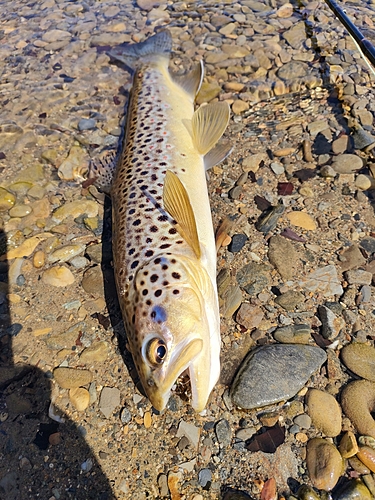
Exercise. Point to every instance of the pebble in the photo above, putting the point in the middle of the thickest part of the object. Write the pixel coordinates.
(360, 359)
(303, 421)
(365, 182)
(39, 259)
(71, 378)
(347, 163)
(65, 253)
(65, 339)
(293, 334)
(278, 248)
(58, 276)
(331, 324)
(358, 277)
(190, 431)
(237, 243)
(368, 244)
(27, 247)
(354, 490)
(269, 218)
(223, 432)
(348, 445)
(357, 401)
(240, 106)
(351, 258)
(253, 162)
(76, 208)
(340, 144)
(302, 219)
(290, 300)
(125, 416)
(204, 477)
(20, 210)
(306, 493)
(292, 365)
(277, 168)
(366, 455)
(253, 277)
(109, 400)
(86, 124)
(249, 316)
(7, 200)
(93, 282)
(323, 280)
(324, 464)
(80, 398)
(324, 411)
(97, 352)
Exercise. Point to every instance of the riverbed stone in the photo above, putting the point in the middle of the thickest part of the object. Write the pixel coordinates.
(324, 411)
(360, 359)
(274, 373)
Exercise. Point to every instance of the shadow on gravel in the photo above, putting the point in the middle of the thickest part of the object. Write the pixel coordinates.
(39, 457)
(111, 297)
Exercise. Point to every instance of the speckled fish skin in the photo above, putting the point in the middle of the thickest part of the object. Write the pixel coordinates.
(166, 287)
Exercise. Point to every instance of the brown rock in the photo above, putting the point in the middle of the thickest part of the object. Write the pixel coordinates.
(348, 445)
(279, 248)
(249, 316)
(366, 454)
(70, 378)
(324, 464)
(324, 411)
(358, 401)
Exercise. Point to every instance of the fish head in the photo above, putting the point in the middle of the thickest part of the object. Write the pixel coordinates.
(171, 331)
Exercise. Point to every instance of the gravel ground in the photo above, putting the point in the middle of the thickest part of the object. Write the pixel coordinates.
(296, 268)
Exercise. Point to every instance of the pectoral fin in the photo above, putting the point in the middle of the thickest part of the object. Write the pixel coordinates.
(208, 125)
(177, 204)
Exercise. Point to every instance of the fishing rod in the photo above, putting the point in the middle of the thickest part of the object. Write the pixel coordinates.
(364, 45)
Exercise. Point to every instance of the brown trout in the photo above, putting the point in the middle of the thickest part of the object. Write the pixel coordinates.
(163, 240)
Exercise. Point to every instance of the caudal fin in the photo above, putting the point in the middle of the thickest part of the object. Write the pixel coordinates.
(133, 54)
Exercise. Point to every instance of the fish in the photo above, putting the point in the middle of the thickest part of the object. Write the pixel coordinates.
(163, 239)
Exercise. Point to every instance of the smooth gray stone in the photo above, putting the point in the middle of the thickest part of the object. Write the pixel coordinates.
(274, 373)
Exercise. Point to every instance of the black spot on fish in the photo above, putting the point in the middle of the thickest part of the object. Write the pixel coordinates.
(165, 245)
(149, 253)
(153, 229)
(172, 231)
(158, 293)
(176, 276)
(176, 292)
(134, 264)
(137, 222)
(154, 278)
(144, 292)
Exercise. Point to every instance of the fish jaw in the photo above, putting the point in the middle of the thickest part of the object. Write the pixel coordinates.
(159, 384)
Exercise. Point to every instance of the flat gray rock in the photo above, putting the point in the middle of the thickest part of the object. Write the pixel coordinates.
(274, 373)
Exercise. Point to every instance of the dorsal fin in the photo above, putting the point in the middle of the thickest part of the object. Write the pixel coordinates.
(208, 125)
(177, 204)
(192, 81)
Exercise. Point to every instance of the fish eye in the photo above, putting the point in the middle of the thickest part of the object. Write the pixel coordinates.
(156, 351)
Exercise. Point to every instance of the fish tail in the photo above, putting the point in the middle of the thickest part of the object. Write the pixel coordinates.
(132, 54)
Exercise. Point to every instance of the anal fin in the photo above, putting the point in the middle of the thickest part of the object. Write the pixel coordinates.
(208, 125)
(177, 204)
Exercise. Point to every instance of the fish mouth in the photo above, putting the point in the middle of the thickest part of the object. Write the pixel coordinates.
(158, 388)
